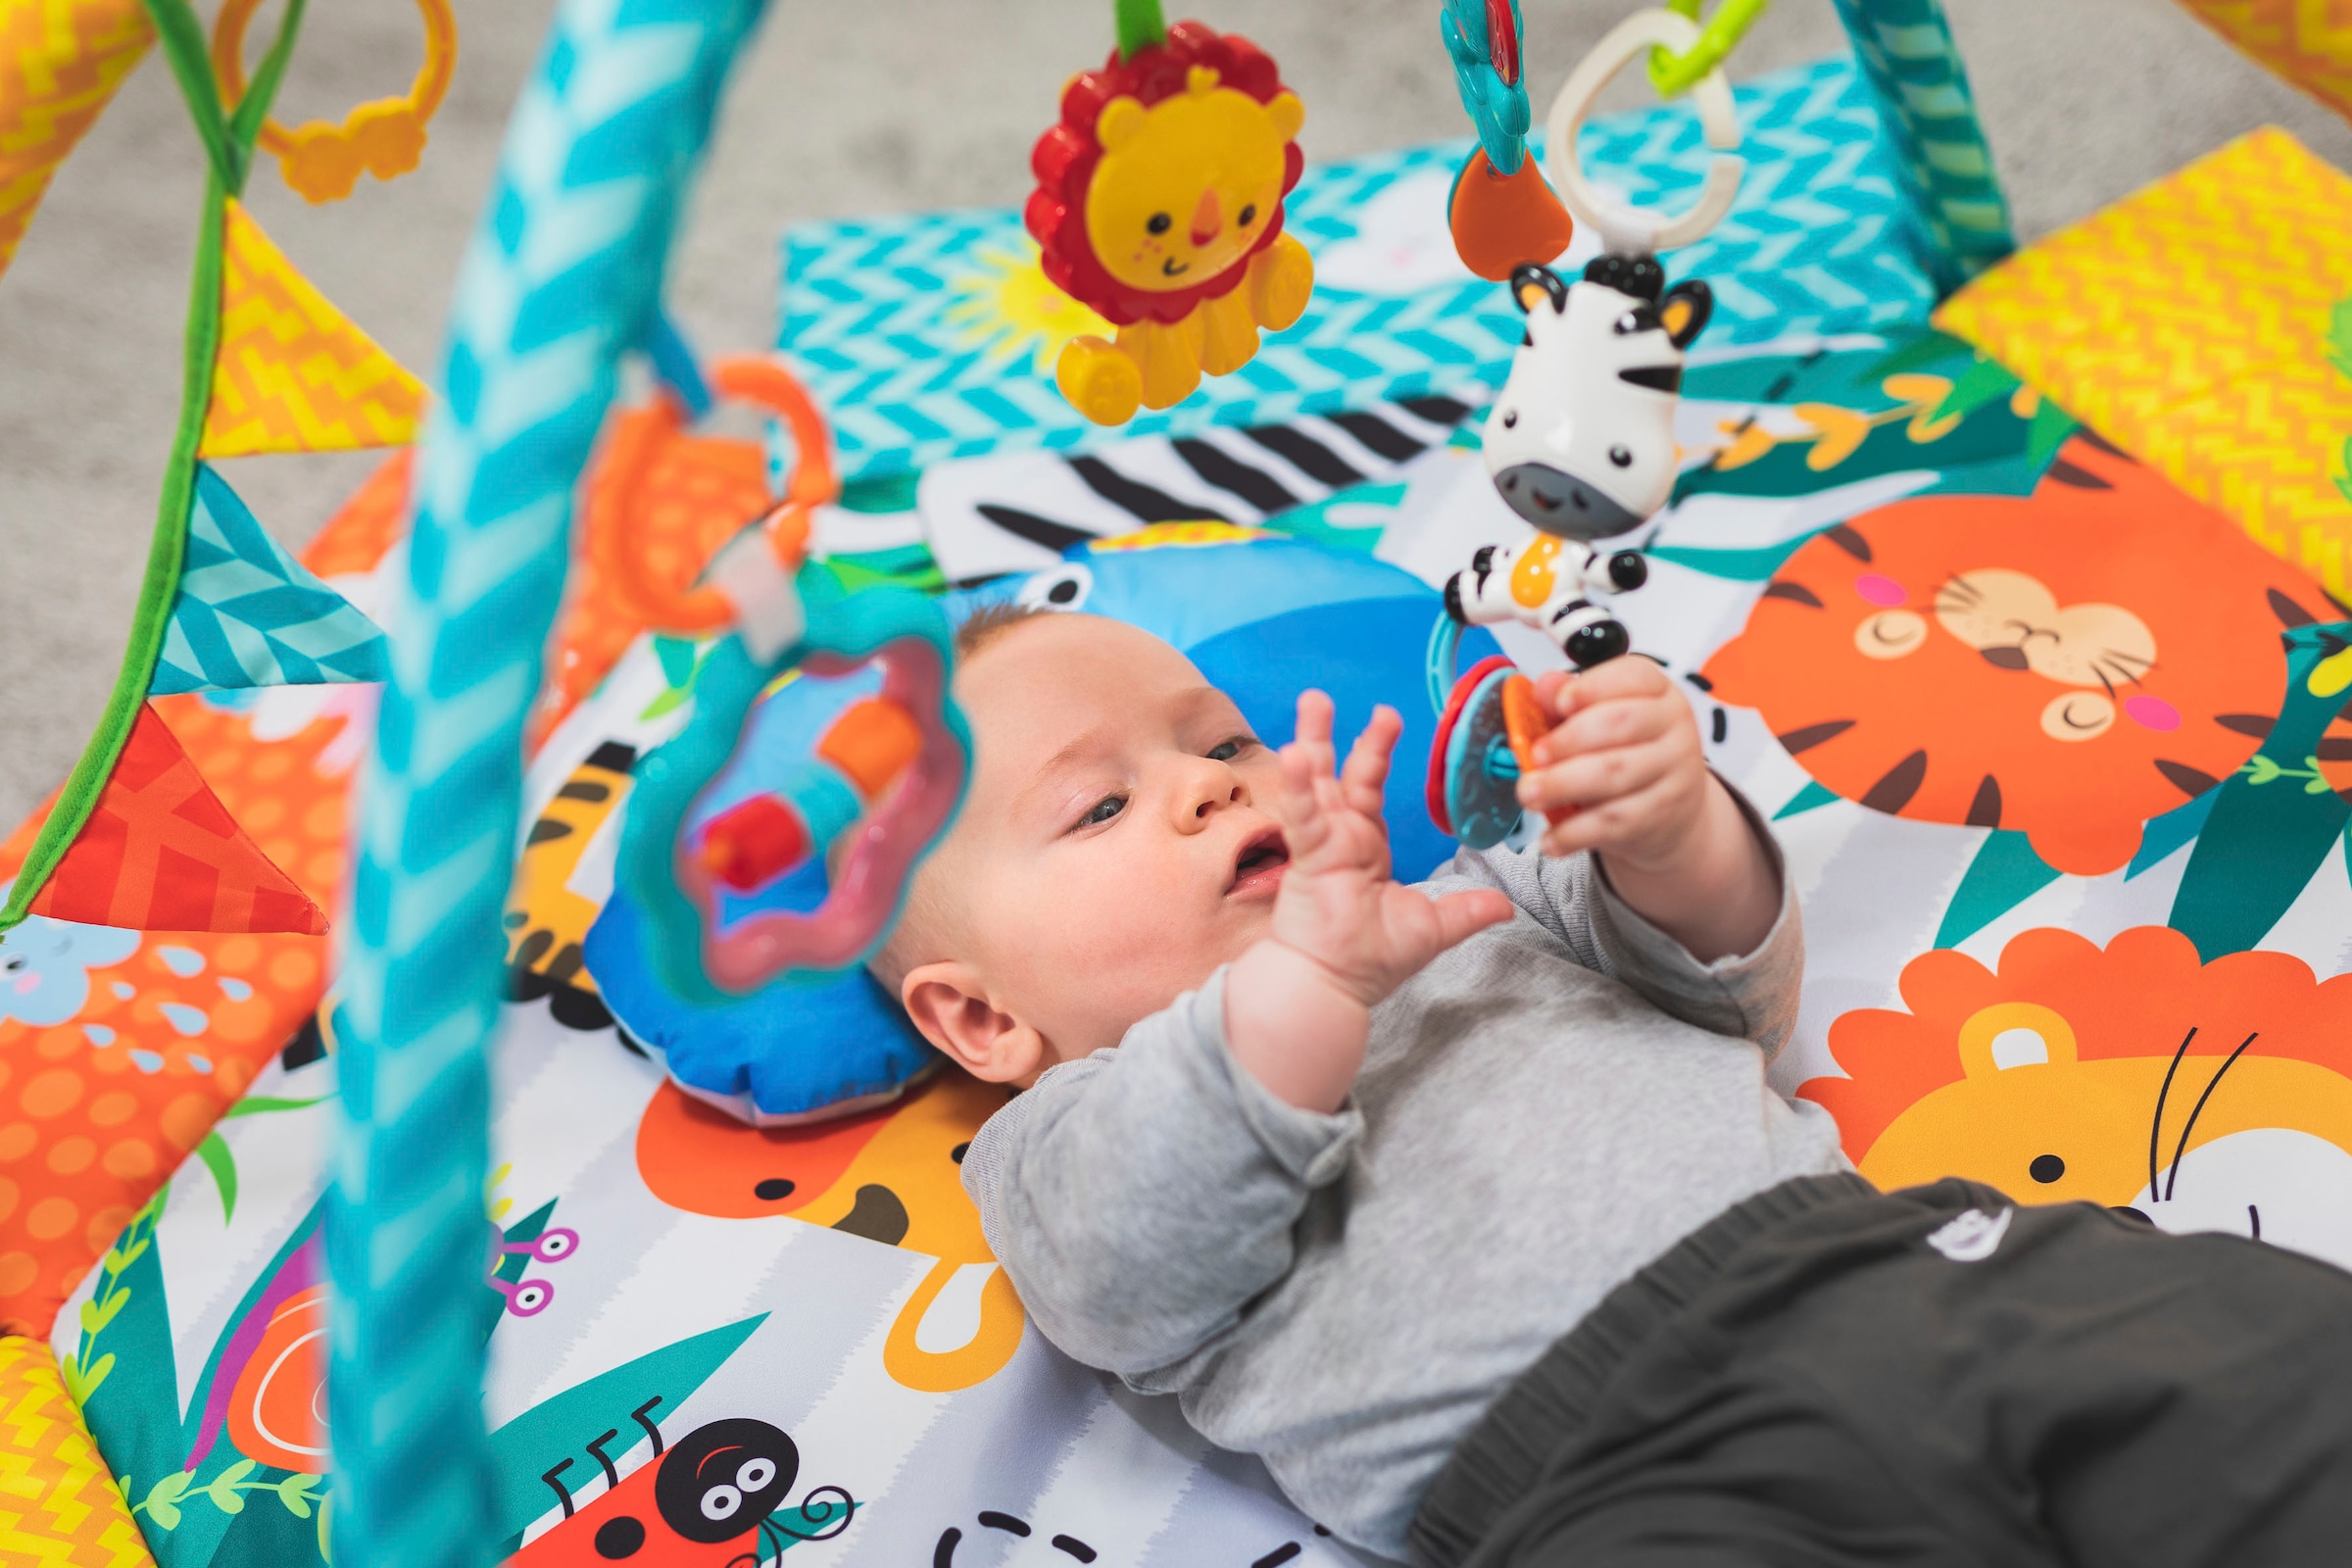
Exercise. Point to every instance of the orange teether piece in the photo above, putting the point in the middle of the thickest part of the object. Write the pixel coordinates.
(1502, 221)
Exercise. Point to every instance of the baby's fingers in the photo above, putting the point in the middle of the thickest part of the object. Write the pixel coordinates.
(1465, 915)
(1314, 728)
(1299, 802)
(1367, 771)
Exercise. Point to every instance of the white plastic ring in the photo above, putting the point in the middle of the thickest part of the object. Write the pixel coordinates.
(1628, 231)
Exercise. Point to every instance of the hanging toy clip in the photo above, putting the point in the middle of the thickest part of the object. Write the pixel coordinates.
(1627, 230)
(885, 782)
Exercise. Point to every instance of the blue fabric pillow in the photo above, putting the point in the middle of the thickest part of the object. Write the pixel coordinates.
(1264, 615)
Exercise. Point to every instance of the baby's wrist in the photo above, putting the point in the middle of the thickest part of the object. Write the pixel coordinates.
(1295, 1025)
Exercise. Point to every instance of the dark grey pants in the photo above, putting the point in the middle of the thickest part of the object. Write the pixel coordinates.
(1826, 1374)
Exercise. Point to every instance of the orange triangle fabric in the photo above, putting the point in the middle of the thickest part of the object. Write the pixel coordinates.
(160, 852)
(293, 373)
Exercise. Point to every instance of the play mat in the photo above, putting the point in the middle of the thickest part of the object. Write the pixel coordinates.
(2079, 908)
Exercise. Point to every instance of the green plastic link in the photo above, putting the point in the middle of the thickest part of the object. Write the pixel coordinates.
(1674, 74)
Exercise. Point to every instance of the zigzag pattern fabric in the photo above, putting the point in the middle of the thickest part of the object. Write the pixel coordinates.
(933, 337)
(250, 614)
(60, 64)
(293, 373)
(2309, 42)
(160, 852)
(58, 1503)
(2201, 324)
(560, 280)
(1914, 67)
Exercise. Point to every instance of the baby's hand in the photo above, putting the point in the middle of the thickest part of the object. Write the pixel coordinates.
(1625, 757)
(1344, 935)
(1337, 904)
(1623, 764)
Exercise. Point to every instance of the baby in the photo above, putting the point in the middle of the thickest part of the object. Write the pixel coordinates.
(1467, 1205)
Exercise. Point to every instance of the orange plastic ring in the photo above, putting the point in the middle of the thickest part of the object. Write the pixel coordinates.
(616, 516)
(385, 136)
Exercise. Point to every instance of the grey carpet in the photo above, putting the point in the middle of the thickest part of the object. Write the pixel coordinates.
(885, 105)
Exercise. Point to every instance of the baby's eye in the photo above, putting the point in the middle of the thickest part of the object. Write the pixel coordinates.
(1103, 810)
(1226, 750)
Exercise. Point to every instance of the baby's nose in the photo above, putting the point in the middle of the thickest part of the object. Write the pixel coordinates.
(1231, 798)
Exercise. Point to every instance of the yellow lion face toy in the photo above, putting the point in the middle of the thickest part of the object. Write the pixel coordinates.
(2203, 1096)
(1185, 187)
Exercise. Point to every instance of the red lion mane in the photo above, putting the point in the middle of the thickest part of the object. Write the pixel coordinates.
(1065, 156)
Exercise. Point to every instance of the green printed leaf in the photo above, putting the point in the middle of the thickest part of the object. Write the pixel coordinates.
(1812, 796)
(326, 1535)
(96, 1314)
(2259, 847)
(676, 655)
(295, 1492)
(1980, 383)
(162, 1502)
(223, 1166)
(522, 1450)
(222, 1489)
(2004, 874)
(80, 1384)
(2339, 337)
(2051, 426)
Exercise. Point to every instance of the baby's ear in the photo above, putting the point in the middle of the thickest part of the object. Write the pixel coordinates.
(951, 1008)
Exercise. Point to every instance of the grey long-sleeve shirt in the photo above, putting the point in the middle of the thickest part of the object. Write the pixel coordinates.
(1542, 1111)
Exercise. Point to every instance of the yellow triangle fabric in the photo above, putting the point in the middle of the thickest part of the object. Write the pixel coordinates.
(293, 373)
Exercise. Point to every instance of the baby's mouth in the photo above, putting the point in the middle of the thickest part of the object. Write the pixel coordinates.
(1260, 866)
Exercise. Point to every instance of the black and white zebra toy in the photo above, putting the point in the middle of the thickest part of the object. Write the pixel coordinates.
(1581, 444)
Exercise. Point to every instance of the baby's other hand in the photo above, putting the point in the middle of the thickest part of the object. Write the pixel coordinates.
(1338, 904)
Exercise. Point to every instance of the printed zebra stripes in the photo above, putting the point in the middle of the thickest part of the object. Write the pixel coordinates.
(1019, 511)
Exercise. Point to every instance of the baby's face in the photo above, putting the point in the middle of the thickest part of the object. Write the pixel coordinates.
(1116, 845)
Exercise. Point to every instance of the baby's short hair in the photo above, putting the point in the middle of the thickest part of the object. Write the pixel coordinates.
(991, 621)
(921, 918)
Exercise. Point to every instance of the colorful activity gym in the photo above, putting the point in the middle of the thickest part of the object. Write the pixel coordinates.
(433, 1009)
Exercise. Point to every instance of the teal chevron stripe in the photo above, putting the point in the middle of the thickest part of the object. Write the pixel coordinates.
(563, 277)
(250, 614)
(1960, 219)
(889, 317)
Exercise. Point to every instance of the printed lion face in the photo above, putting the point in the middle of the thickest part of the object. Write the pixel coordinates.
(2206, 1097)
(2068, 664)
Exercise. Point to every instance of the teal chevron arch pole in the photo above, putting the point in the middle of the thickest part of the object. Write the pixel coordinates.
(1908, 54)
(562, 277)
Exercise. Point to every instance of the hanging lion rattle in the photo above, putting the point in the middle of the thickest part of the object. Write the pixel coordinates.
(1158, 206)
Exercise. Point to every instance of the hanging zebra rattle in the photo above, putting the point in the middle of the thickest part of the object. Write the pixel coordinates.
(1580, 444)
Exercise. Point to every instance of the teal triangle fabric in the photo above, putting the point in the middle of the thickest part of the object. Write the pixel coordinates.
(250, 614)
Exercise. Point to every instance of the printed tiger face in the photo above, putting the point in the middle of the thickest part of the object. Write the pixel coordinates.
(2068, 664)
